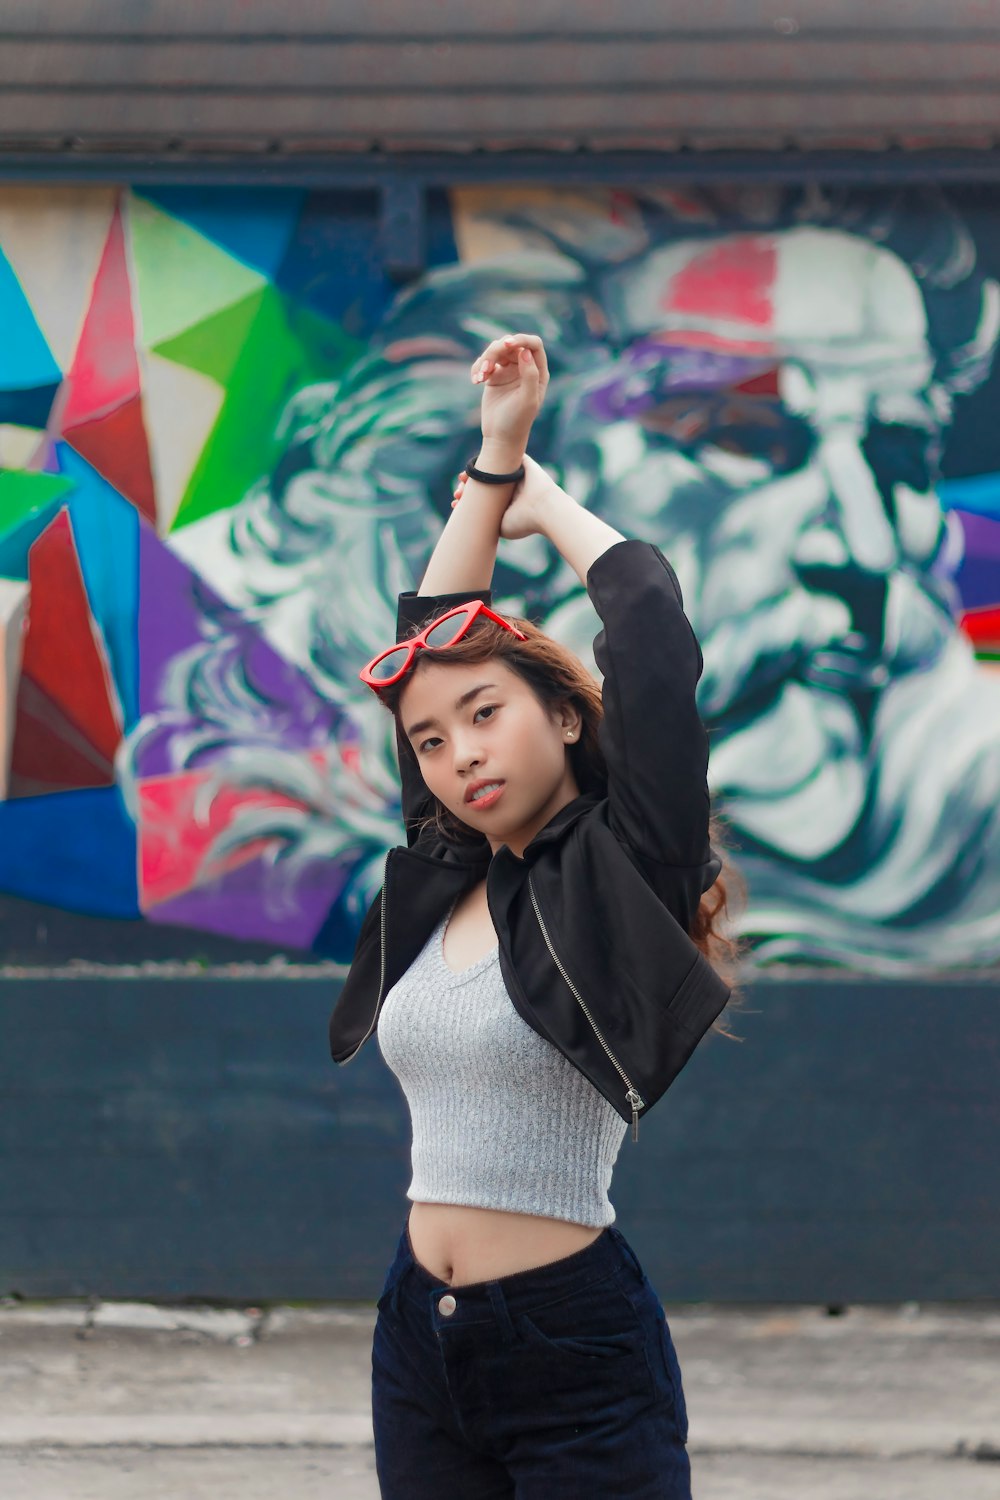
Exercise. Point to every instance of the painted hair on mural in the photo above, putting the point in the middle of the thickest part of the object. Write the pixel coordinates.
(820, 753)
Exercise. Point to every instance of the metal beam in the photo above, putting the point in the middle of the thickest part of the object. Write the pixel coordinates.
(402, 234)
(381, 171)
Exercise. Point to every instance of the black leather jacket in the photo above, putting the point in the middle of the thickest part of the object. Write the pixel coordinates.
(593, 920)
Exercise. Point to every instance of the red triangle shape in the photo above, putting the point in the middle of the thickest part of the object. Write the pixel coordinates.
(49, 753)
(760, 385)
(116, 446)
(66, 692)
(982, 626)
(105, 370)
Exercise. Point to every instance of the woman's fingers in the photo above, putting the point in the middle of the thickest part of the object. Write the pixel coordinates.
(505, 351)
(533, 342)
(498, 352)
(486, 364)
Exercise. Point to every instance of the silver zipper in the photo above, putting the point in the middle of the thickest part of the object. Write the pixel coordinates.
(633, 1096)
(381, 977)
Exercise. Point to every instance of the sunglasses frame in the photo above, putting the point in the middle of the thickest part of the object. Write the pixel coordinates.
(414, 643)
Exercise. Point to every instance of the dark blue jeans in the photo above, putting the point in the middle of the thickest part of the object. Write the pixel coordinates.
(545, 1385)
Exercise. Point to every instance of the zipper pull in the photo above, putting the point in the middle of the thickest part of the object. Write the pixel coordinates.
(635, 1100)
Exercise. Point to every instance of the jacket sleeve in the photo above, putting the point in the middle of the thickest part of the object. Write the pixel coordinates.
(413, 611)
(652, 736)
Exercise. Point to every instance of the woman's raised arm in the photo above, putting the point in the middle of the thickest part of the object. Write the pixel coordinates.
(542, 507)
(579, 535)
(652, 736)
(514, 374)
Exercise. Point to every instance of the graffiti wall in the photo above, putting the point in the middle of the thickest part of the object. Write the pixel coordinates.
(227, 441)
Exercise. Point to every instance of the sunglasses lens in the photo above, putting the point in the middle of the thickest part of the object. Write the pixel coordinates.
(447, 631)
(388, 665)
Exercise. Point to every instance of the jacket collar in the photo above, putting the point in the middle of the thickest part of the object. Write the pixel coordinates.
(560, 823)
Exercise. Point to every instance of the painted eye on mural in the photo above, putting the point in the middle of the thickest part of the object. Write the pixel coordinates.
(899, 453)
(750, 427)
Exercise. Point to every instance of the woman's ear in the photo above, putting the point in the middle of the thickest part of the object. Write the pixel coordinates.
(570, 721)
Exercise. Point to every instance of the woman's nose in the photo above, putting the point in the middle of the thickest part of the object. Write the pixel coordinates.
(467, 756)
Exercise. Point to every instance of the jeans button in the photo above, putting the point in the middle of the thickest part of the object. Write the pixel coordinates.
(447, 1305)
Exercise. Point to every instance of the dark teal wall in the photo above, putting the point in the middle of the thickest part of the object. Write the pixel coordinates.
(190, 1138)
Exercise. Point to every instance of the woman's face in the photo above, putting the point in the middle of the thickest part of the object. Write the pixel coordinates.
(481, 727)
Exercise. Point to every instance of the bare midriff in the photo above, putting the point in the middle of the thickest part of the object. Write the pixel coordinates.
(461, 1245)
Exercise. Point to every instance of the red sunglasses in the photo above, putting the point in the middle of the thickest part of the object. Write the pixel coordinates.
(390, 665)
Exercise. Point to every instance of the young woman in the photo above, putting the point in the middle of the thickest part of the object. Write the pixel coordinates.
(540, 963)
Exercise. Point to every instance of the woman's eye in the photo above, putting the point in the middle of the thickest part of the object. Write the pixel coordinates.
(428, 744)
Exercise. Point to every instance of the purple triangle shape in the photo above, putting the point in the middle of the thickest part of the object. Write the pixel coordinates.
(278, 705)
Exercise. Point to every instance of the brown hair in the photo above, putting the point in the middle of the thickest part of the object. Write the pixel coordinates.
(556, 675)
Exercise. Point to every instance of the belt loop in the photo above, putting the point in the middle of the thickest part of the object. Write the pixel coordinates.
(404, 1263)
(626, 1249)
(501, 1311)
(394, 1296)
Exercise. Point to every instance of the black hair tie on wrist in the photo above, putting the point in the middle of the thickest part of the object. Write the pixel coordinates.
(484, 478)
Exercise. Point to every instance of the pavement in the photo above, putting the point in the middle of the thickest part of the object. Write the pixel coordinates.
(142, 1401)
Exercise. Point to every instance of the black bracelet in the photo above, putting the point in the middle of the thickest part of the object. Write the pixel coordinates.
(483, 478)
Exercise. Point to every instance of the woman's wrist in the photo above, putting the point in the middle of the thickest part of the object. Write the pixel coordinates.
(499, 456)
(553, 507)
(575, 532)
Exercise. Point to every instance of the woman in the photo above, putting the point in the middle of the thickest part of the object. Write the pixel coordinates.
(537, 965)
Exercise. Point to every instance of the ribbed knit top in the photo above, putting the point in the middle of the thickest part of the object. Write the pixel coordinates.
(501, 1119)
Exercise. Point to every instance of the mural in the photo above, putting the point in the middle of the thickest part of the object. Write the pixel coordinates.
(226, 442)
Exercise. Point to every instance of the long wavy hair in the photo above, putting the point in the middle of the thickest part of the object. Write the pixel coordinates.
(556, 676)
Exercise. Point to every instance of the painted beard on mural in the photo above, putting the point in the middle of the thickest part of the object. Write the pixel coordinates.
(767, 401)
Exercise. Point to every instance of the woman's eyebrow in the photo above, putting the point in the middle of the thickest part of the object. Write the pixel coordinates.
(459, 704)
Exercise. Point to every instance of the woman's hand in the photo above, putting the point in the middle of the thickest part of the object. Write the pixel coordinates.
(530, 504)
(514, 374)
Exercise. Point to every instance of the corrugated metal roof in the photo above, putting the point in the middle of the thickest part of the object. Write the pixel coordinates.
(174, 79)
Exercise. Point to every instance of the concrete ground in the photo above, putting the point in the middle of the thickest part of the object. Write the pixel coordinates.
(135, 1401)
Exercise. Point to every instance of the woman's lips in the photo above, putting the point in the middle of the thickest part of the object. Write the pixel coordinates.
(488, 799)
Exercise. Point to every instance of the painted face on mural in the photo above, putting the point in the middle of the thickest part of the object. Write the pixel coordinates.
(766, 406)
(773, 414)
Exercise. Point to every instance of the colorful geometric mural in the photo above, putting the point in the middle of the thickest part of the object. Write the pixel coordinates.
(145, 356)
(226, 442)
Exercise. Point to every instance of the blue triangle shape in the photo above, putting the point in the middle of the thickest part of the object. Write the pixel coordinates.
(254, 224)
(25, 358)
(76, 850)
(106, 532)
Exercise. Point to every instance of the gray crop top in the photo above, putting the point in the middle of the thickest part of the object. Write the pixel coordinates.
(501, 1119)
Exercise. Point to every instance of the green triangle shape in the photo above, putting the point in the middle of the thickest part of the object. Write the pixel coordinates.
(182, 277)
(27, 504)
(214, 346)
(21, 494)
(287, 347)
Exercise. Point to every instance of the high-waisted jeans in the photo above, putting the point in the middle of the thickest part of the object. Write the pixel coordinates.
(544, 1385)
